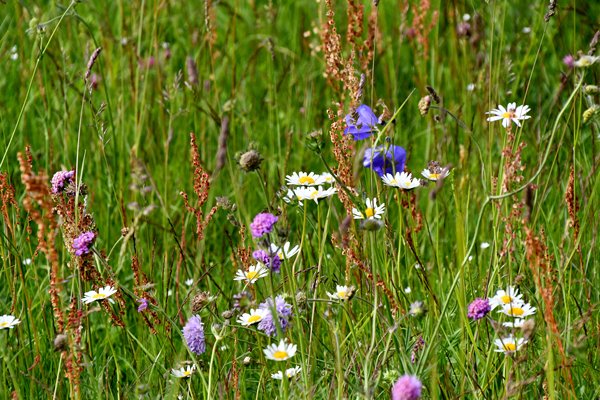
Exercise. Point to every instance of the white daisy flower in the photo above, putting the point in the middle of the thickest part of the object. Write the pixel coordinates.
(517, 323)
(327, 178)
(508, 296)
(8, 322)
(189, 282)
(304, 179)
(518, 310)
(372, 211)
(285, 252)
(281, 351)
(435, 176)
(253, 317)
(341, 293)
(510, 113)
(254, 273)
(290, 373)
(183, 372)
(509, 344)
(586, 61)
(402, 180)
(102, 294)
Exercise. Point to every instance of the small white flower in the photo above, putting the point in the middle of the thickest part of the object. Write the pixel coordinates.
(508, 296)
(14, 55)
(509, 344)
(254, 273)
(27, 261)
(253, 317)
(466, 17)
(304, 179)
(484, 245)
(341, 293)
(189, 282)
(280, 352)
(510, 113)
(526, 30)
(518, 310)
(402, 180)
(290, 373)
(183, 372)
(585, 61)
(327, 178)
(407, 290)
(470, 87)
(435, 176)
(371, 211)
(470, 258)
(8, 322)
(517, 323)
(102, 294)
(284, 252)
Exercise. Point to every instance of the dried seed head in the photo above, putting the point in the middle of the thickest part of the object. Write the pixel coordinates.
(227, 314)
(424, 105)
(200, 301)
(60, 342)
(250, 160)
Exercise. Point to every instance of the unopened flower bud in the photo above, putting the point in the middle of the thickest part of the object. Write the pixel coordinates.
(60, 342)
(424, 105)
(590, 113)
(250, 160)
(591, 89)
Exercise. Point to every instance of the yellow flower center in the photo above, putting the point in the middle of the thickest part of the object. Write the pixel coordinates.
(306, 180)
(3, 324)
(280, 355)
(509, 114)
(342, 294)
(516, 311)
(251, 274)
(434, 176)
(314, 194)
(280, 254)
(98, 296)
(187, 373)
(506, 299)
(510, 346)
(369, 212)
(254, 318)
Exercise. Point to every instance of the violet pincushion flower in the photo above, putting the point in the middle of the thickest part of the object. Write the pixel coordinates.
(83, 243)
(193, 332)
(408, 387)
(262, 224)
(385, 160)
(479, 308)
(362, 123)
(569, 61)
(283, 310)
(61, 180)
(270, 260)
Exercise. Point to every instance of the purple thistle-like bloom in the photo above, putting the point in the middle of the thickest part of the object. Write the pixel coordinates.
(408, 387)
(83, 243)
(143, 304)
(385, 161)
(361, 124)
(61, 180)
(569, 61)
(193, 332)
(479, 308)
(283, 310)
(271, 261)
(262, 224)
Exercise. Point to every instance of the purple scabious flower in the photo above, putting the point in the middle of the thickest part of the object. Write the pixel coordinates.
(262, 224)
(479, 308)
(385, 160)
(283, 310)
(569, 61)
(143, 304)
(61, 180)
(193, 332)
(362, 123)
(83, 243)
(272, 261)
(408, 387)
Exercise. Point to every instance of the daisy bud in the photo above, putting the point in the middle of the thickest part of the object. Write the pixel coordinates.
(227, 314)
(591, 89)
(314, 141)
(371, 224)
(200, 301)
(590, 113)
(250, 160)
(60, 342)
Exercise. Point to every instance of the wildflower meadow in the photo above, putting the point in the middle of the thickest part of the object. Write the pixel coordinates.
(310, 199)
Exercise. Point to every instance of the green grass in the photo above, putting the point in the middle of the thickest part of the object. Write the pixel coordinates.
(261, 65)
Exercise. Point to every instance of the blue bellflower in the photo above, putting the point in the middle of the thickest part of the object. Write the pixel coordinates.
(362, 123)
(385, 161)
